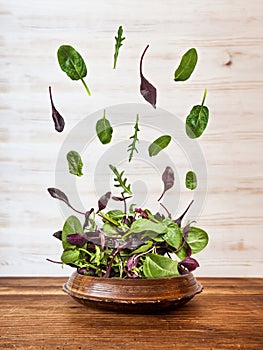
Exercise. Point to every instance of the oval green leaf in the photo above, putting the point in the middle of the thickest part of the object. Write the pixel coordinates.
(158, 145)
(70, 256)
(141, 225)
(186, 66)
(74, 163)
(72, 64)
(197, 120)
(197, 239)
(104, 130)
(190, 180)
(173, 236)
(72, 225)
(157, 266)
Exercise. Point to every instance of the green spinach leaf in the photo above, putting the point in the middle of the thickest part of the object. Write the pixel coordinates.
(74, 163)
(197, 120)
(173, 236)
(191, 180)
(157, 266)
(141, 225)
(186, 66)
(197, 239)
(70, 256)
(158, 145)
(104, 129)
(72, 64)
(72, 225)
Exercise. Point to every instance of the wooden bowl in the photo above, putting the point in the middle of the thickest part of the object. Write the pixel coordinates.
(150, 295)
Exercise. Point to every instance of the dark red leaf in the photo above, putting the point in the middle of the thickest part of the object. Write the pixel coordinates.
(179, 220)
(147, 90)
(103, 201)
(58, 235)
(77, 239)
(189, 263)
(168, 180)
(56, 116)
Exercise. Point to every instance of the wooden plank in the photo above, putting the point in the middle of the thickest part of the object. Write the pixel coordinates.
(36, 314)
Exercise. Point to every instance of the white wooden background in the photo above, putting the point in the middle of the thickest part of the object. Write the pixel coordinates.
(228, 37)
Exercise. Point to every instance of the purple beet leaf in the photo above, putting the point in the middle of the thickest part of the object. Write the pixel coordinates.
(189, 263)
(132, 262)
(103, 201)
(147, 90)
(179, 220)
(168, 180)
(56, 116)
(57, 194)
(77, 239)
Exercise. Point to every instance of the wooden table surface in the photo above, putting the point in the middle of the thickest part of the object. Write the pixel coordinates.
(36, 314)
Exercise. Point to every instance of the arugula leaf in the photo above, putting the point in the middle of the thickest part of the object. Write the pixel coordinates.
(104, 129)
(119, 39)
(72, 64)
(168, 180)
(157, 266)
(186, 66)
(56, 116)
(158, 145)
(147, 90)
(74, 163)
(120, 181)
(197, 120)
(132, 146)
(190, 180)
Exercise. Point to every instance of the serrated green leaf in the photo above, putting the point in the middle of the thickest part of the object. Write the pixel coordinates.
(157, 266)
(74, 163)
(72, 64)
(197, 120)
(158, 145)
(104, 130)
(190, 180)
(132, 147)
(119, 39)
(186, 66)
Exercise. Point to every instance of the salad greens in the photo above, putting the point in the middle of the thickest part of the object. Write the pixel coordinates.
(132, 147)
(74, 163)
(134, 244)
(104, 129)
(190, 180)
(186, 66)
(119, 39)
(158, 145)
(197, 120)
(56, 116)
(72, 64)
(147, 90)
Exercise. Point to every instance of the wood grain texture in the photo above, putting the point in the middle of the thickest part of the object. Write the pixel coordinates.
(229, 41)
(36, 314)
